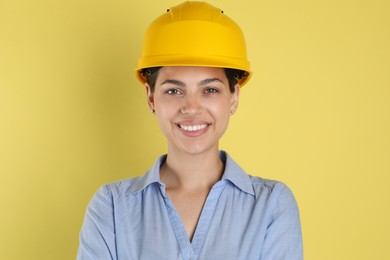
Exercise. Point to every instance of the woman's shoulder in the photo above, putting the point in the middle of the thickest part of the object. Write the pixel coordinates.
(260, 182)
(120, 187)
(269, 187)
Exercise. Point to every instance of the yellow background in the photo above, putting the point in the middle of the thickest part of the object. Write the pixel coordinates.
(315, 115)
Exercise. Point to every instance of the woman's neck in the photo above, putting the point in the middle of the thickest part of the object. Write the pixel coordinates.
(191, 172)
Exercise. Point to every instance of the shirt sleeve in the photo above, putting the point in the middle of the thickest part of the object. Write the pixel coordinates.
(283, 239)
(97, 236)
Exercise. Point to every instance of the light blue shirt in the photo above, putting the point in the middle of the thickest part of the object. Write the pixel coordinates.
(244, 217)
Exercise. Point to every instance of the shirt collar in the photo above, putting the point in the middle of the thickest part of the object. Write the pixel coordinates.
(232, 173)
(235, 174)
(151, 176)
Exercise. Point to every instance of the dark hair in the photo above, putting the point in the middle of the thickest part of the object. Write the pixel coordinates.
(233, 76)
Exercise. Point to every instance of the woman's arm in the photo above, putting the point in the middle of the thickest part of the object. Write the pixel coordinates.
(283, 239)
(97, 236)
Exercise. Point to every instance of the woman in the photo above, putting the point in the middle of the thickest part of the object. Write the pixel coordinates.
(195, 202)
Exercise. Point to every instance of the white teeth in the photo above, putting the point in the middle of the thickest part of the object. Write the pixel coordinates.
(192, 128)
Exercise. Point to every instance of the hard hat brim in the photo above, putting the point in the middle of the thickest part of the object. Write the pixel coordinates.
(181, 60)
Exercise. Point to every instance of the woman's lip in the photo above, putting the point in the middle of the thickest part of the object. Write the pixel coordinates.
(193, 129)
(192, 122)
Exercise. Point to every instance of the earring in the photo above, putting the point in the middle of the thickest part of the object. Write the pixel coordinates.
(153, 111)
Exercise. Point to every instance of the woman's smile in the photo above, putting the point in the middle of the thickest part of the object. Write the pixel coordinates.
(193, 129)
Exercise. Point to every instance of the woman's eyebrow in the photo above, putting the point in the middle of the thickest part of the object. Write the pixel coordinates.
(200, 83)
(174, 82)
(208, 81)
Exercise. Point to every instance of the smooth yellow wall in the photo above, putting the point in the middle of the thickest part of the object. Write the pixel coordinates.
(315, 115)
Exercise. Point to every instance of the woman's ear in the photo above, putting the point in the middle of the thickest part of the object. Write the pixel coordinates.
(234, 99)
(149, 97)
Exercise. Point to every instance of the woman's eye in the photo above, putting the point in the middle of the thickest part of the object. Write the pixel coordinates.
(173, 91)
(211, 90)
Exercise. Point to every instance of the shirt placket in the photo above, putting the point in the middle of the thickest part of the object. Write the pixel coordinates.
(185, 246)
(206, 218)
(188, 250)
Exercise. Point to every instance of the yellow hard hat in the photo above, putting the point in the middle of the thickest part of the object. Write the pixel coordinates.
(194, 34)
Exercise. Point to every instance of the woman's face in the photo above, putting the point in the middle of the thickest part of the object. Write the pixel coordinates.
(193, 106)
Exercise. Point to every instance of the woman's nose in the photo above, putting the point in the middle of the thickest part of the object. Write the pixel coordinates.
(191, 105)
